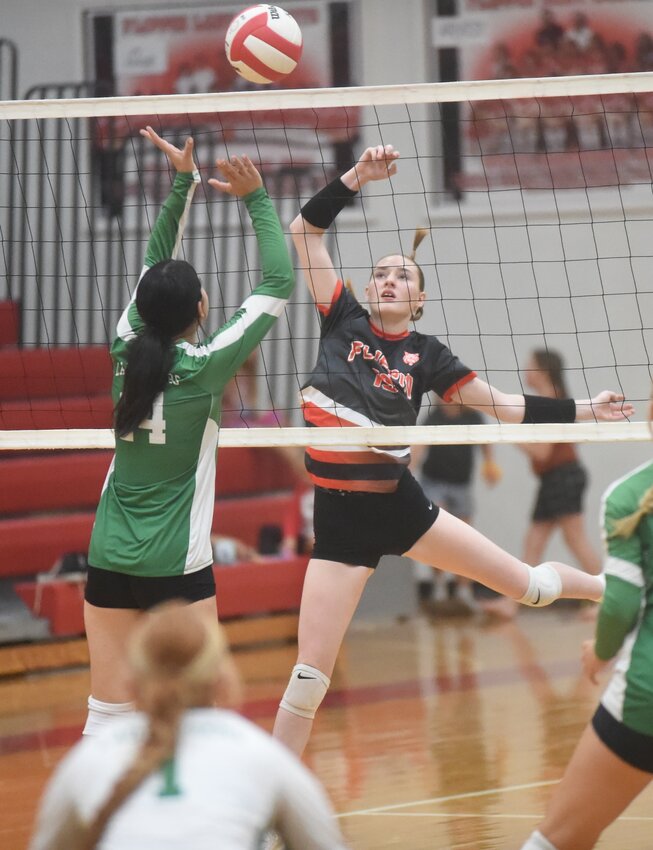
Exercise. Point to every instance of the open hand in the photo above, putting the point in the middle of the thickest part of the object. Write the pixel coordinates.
(180, 160)
(610, 407)
(241, 176)
(375, 163)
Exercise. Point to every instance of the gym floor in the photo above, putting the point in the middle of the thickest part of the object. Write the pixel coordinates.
(436, 735)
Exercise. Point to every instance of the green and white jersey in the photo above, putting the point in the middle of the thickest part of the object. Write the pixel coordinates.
(156, 508)
(625, 623)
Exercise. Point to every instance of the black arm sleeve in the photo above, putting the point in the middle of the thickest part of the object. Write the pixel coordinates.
(323, 208)
(539, 409)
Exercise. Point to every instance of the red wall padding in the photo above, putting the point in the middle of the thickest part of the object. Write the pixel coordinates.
(9, 322)
(252, 470)
(56, 481)
(69, 480)
(43, 413)
(32, 544)
(31, 373)
(275, 585)
(243, 518)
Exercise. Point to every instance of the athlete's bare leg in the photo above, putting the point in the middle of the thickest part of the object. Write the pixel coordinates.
(108, 631)
(451, 544)
(330, 596)
(536, 540)
(537, 537)
(596, 788)
(575, 535)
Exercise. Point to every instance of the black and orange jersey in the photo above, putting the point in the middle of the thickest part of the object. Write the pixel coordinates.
(368, 378)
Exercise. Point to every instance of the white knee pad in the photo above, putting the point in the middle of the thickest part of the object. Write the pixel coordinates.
(544, 586)
(306, 690)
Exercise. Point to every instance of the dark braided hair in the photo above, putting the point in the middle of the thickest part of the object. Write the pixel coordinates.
(166, 300)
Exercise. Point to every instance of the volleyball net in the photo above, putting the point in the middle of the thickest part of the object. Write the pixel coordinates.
(536, 194)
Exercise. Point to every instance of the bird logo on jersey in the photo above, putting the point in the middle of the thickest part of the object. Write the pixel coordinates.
(410, 359)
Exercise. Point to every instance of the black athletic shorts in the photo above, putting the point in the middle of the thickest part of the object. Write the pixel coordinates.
(561, 492)
(635, 748)
(108, 589)
(359, 528)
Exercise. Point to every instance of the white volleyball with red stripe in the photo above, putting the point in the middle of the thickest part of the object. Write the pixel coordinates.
(263, 43)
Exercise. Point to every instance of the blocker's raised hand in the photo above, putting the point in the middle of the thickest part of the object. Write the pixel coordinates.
(242, 176)
(180, 159)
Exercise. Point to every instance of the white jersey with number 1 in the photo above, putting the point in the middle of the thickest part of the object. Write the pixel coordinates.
(228, 784)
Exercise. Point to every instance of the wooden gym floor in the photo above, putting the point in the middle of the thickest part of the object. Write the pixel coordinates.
(434, 735)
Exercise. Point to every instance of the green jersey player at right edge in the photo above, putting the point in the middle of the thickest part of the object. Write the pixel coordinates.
(613, 761)
(151, 537)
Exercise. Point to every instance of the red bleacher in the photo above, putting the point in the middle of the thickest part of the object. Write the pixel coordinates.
(55, 388)
(242, 590)
(9, 322)
(47, 500)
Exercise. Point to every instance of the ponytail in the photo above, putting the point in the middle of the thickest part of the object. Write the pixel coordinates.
(167, 302)
(159, 747)
(626, 526)
(149, 360)
(420, 233)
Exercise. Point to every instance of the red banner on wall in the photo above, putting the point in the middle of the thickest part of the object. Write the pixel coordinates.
(181, 51)
(552, 142)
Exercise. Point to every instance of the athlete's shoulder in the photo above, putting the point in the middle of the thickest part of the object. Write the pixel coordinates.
(344, 304)
(622, 497)
(425, 342)
(255, 745)
(222, 721)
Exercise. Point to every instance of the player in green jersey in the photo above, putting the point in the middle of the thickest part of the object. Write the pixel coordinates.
(151, 537)
(613, 761)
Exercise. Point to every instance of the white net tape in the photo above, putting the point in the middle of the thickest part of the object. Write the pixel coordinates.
(371, 97)
(596, 432)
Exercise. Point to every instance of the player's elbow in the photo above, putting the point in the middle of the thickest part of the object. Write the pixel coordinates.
(302, 230)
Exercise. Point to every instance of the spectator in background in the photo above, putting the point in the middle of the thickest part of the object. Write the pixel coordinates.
(230, 550)
(580, 32)
(562, 482)
(550, 33)
(503, 64)
(184, 771)
(446, 475)
(644, 52)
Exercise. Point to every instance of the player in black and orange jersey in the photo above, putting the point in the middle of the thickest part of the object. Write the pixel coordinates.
(373, 370)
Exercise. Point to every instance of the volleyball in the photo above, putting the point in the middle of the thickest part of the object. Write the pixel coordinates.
(263, 43)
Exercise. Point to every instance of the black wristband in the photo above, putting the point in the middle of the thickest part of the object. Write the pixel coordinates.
(538, 409)
(323, 208)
